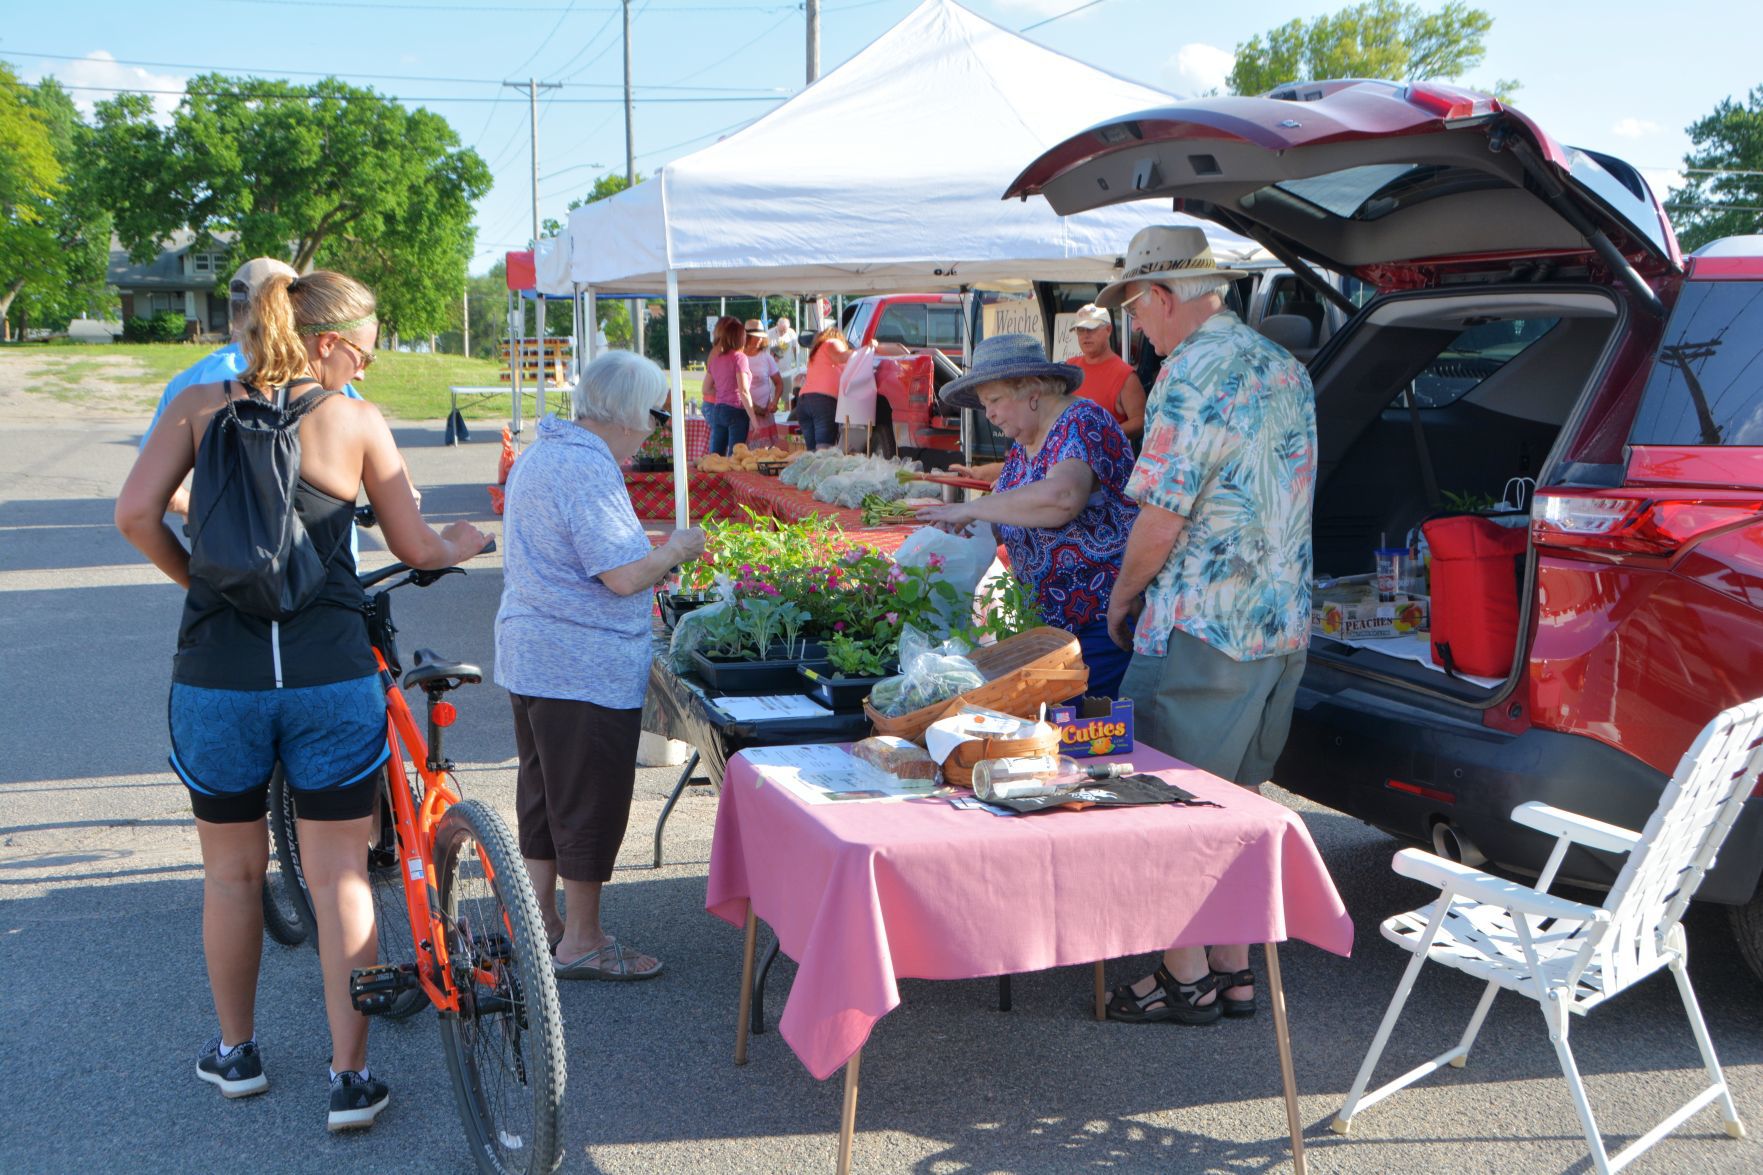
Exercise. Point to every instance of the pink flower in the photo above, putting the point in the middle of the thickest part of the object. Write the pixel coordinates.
(746, 570)
(839, 626)
(892, 618)
(768, 589)
(935, 562)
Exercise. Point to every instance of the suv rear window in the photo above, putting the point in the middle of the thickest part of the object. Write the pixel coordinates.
(1473, 356)
(903, 323)
(1707, 384)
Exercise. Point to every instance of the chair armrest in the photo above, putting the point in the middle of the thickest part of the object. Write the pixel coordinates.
(1581, 830)
(1462, 881)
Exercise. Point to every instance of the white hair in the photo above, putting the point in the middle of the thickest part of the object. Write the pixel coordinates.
(1191, 289)
(620, 387)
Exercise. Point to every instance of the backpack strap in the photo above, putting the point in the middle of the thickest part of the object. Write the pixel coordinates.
(306, 403)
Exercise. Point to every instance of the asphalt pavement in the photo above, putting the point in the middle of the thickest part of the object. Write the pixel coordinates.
(104, 1002)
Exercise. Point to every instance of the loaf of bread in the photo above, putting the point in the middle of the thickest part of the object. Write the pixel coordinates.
(897, 757)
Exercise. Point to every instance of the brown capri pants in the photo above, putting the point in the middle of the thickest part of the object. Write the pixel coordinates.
(578, 768)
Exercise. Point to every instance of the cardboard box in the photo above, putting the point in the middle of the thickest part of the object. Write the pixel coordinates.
(1357, 614)
(1097, 726)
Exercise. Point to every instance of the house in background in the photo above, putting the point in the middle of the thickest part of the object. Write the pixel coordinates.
(180, 278)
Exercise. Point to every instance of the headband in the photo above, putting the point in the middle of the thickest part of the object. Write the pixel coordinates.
(319, 328)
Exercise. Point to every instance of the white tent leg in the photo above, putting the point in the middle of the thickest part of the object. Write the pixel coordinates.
(682, 508)
(576, 354)
(516, 333)
(591, 328)
(539, 331)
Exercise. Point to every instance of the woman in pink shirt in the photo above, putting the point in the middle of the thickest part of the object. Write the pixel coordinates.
(818, 400)
(728, 387)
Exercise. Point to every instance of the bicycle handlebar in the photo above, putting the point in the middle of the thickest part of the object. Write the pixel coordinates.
(364, 516)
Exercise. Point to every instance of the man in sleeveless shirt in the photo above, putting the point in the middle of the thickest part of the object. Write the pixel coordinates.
(1109, 380)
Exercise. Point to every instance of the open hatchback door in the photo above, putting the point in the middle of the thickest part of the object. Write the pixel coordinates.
(1404, 186)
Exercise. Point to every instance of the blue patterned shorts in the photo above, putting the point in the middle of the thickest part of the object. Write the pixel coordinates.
(330, 740)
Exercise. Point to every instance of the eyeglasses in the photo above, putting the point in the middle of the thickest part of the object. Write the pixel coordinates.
(364, 358)
(1149, 286)
(661, 419)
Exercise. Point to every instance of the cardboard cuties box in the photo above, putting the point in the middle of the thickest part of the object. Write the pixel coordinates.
(1097, 726)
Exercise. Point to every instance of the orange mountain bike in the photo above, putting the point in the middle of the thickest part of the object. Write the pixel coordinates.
(448, 870)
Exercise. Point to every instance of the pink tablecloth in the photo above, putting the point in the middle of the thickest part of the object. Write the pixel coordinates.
(864, 894)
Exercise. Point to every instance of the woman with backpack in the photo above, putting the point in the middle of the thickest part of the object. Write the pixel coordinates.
(273, 661)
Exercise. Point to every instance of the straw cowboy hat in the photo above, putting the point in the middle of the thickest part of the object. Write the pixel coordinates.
(1006, 357)
(754, 328)
(1161, 252)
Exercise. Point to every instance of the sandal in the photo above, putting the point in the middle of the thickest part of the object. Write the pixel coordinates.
(1235, 1009)
(609, 961)
(1169, 1000)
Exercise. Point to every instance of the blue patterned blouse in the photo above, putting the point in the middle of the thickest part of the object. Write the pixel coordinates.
(1072, 569)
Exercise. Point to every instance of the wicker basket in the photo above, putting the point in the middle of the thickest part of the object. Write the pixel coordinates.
(958, 767)
(1041, 666)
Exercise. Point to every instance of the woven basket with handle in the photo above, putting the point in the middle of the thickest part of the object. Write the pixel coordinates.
(1041, 666)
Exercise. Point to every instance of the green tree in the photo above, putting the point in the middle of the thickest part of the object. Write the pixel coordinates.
(610, 184)
(1377, 39)
(329, 174)
(1725, 175)
(74, 282)
(33, 190)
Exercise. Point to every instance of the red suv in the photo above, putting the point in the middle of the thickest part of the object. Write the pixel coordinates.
(1533, 317)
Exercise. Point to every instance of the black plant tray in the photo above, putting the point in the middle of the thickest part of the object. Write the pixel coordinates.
(837, 693)
(757, 677)
(674, 606)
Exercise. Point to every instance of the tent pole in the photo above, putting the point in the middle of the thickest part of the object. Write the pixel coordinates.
(682, 511)
(966, 365)
(539, 331)
(576, 361)
(591, 329)
(516, 333)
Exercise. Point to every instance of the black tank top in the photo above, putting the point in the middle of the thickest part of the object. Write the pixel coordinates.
(220, 647)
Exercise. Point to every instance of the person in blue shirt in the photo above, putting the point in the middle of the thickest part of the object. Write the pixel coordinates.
(228, 362)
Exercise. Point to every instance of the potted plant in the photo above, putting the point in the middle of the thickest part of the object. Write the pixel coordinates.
(656, 455)
(853, 668)
(755, 647)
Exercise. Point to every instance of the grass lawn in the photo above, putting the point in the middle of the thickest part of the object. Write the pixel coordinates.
(405, 386)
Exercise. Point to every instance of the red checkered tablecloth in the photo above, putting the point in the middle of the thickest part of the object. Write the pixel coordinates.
(709, 495)
(768, 495)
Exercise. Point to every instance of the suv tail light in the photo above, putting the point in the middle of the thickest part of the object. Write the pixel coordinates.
(1626, 522)
(1451, 103)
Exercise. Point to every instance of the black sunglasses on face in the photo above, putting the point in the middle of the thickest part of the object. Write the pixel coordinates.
(661, 419)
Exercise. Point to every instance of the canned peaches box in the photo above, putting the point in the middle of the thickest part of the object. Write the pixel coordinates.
(1360, 615)
(1094, 727)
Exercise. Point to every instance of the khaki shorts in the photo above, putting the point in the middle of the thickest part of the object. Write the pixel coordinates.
(1222, 715)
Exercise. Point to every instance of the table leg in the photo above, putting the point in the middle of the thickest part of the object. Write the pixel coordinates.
(1276, 998)
(1101, 991)
(746, 985)
(685, 777)
(1004, 1004)
(848, 1114)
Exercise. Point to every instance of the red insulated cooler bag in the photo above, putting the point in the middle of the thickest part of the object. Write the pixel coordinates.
(1476, 569)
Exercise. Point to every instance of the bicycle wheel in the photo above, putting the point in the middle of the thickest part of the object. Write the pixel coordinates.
(390, 907)
(285, 911)
(505, 1047)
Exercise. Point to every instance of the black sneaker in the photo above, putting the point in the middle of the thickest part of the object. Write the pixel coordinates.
(239, 1075)
(356, 1100)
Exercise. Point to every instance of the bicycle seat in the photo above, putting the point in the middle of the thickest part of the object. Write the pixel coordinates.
(432, 671)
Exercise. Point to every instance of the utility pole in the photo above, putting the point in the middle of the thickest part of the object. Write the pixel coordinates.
(813, 41)
(465, 322)
(532, 86)
(630, 142)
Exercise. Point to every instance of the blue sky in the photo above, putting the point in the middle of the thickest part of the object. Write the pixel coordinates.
(1622, 76)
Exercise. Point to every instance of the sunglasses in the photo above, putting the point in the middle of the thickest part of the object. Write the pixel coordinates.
(661, 419)
(1137, 296)
(364, 358)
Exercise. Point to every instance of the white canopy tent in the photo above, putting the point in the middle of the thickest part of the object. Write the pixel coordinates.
(848, 188)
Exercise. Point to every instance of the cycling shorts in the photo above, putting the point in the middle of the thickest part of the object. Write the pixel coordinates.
(329, 739)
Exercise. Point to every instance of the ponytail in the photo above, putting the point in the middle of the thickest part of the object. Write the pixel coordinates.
(274, 354)
(284, 308)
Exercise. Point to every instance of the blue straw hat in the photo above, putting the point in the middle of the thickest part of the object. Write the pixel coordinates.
(1006, 357)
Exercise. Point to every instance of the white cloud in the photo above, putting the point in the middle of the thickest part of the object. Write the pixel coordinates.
(101, 69)
(1199, 67)
(1634, 128)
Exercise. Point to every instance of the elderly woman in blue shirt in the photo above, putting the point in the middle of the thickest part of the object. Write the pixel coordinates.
(572, 649)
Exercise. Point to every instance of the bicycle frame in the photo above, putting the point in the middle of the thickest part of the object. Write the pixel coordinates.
(416, 827)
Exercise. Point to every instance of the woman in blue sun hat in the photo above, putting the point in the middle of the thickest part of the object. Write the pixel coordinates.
(1059, 505)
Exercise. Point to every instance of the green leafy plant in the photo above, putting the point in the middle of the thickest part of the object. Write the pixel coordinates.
(1469, 500)
(855, 658)
(1007, 607)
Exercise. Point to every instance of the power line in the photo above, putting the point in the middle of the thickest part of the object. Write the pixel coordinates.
(308, 97)
(242, 71)
(545, 40)
(1058, 16)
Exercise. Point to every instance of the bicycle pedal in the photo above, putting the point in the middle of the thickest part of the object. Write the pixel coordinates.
(373, 990)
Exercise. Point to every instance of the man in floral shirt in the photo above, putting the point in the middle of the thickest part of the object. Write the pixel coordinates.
(1218, 564)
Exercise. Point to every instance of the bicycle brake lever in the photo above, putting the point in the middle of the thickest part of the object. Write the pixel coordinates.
(422, 578)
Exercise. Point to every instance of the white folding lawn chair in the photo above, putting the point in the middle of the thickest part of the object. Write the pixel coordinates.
(1570, 957)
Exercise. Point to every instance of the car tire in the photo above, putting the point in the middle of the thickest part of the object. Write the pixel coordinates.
(1747, 928)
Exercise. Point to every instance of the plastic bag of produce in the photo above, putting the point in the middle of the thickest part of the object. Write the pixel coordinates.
(928, 674)
(689, 634)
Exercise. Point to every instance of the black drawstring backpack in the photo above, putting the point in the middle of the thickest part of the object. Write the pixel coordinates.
(247, 541)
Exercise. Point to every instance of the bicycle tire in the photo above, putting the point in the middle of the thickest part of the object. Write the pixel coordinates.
(391, 909)
(520, 1040)
(286, 912)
